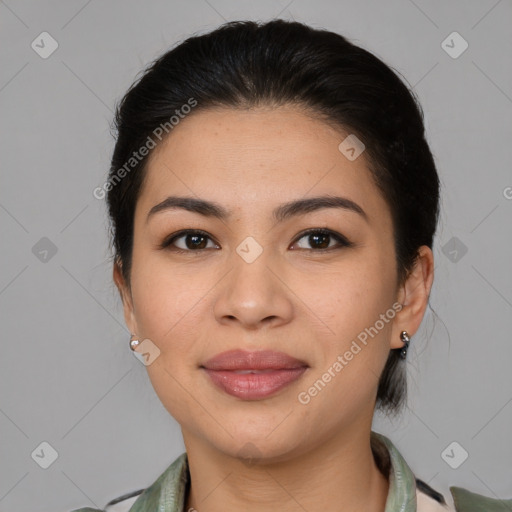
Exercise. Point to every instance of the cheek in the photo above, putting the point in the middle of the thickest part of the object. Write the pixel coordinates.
(164, 296)
(167, 307)
(351, 298)
(350, 359)
(355, 306)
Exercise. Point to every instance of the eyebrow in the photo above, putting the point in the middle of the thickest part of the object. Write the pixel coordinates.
(279, 214)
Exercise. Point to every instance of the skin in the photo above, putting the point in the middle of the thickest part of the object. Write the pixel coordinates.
(310, 304)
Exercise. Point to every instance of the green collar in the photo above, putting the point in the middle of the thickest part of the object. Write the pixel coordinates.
(168, 492)
(402, 483)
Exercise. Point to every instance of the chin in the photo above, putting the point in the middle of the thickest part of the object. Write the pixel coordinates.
(259, 448)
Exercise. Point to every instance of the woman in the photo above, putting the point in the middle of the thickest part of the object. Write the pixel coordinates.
(273, 203)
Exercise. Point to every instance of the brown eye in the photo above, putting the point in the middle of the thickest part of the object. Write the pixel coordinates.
(189, 241)
(320, 239)
(196, 241)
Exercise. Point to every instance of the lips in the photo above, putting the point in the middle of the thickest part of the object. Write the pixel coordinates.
(253, 375)
(260, 360)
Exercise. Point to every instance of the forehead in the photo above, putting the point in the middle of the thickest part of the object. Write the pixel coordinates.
(260, 157)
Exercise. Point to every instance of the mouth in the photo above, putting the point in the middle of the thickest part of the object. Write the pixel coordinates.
(254, 384)
(243, 372)
(253, 375)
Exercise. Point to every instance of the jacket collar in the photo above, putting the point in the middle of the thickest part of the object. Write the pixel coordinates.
(168, 492)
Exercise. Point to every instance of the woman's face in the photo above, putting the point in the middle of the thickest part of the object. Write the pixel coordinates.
(254, 281)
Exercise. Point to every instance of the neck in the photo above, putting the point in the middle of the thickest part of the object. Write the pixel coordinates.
(340, 473)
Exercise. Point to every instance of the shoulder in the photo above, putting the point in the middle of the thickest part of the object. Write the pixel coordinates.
(429, 500)
(425, 503)
(172, 481)
(467, 501)
(170, 487)
(406, 486)
(120, 504)
(123, 503)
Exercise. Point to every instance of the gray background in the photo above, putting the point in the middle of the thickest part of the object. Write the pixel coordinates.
(67, 374)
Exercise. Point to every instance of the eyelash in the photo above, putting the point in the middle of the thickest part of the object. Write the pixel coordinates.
(342, 241)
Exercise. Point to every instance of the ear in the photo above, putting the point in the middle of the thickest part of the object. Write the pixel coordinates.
(413, 295)
(126, 297)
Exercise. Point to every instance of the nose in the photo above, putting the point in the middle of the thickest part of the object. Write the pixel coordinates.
(254, 294)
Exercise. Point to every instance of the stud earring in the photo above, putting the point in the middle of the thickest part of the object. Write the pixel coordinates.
(134, 342)
(404, 336)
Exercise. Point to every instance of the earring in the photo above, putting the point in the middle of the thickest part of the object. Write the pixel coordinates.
(134, 342)
(404, 336)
